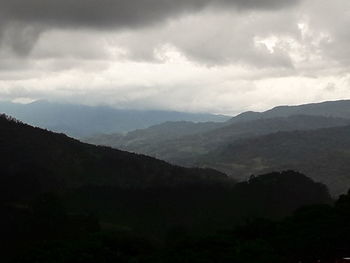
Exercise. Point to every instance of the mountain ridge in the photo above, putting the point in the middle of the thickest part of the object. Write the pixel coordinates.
(336, 108)
(82, 121)
(55, 161)
(177, 150)
(323, 154)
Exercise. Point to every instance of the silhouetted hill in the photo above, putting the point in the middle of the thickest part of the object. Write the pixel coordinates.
(58, 194)
(82, 121)
(317, 233)
(50, 161)
(42, 231)
(35, 161)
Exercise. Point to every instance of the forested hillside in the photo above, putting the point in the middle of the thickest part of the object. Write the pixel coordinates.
(63, 200)
(167, 143)
(48, 160)
(299, 142)
(323, 154)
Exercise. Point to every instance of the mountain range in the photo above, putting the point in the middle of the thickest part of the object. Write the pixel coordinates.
(62, 200)
(123, 187)
(220, 145)
(323, 154)
(234, 147)
(81, 121)
(336, 109)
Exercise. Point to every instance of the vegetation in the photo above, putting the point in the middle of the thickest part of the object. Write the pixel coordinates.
(322, 154)
(159, 225)
(65, 201)
(182, 143)
(47, 161)
(318, 233)
(243, 148)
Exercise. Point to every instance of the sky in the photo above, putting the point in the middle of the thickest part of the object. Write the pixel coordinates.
(218, 56)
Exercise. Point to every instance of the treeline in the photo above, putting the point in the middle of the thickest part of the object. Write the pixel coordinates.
(199, 207)
(316, 233)
(100, 224)
(64, 201)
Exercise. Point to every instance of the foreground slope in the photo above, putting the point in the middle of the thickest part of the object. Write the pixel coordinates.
(124, 187)
(65, 201)
(51, 161)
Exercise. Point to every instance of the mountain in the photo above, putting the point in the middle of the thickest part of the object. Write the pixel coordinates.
(95, 178)
(66, 201)
(335, 109)
(178, 141)
(136, 140)
(323, 154)
(82, 121)
(50, 161)
(165, 142)
(207, 146)
(117, 185)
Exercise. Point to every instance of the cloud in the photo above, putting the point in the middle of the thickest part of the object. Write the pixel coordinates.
(331, 21)
(218, 38)
(23, 21)
(20, 38)
(196, 55)
(177, 85)
(117, 13)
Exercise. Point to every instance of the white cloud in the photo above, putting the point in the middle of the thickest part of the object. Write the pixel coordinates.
(216, 60)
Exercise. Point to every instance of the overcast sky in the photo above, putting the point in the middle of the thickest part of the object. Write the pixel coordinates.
(220, 56)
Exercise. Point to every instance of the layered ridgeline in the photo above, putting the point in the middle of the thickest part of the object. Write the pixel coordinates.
(191, 144)
(82, 121)
(336, 109)
(35, 161)
(53, 187)
(323, 154)
(182, 142)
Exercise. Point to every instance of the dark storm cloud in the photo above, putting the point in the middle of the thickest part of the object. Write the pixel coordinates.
(22, 22)
(115, 13)
(20, 37)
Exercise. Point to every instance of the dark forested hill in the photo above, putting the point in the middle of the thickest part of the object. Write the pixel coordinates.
(65, 201)
(47, 160)
(323, 154)
(35, 161)
(81, 121)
